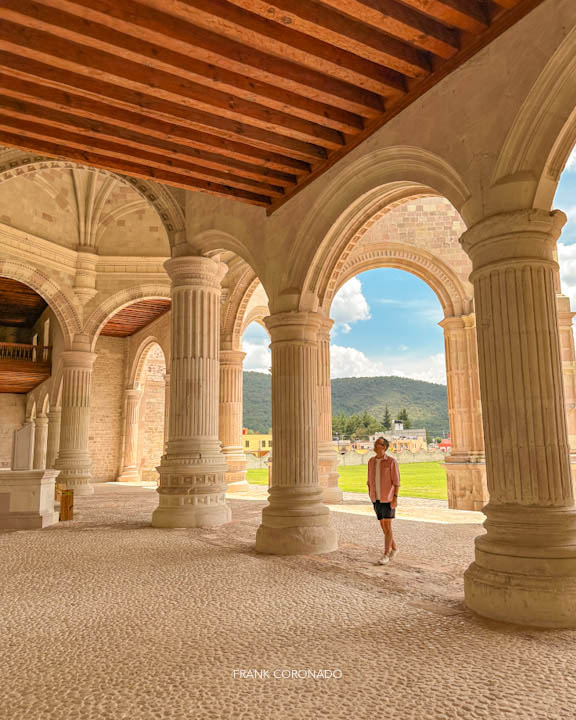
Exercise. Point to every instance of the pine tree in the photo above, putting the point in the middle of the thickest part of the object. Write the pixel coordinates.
(387, 422)
(404, 419)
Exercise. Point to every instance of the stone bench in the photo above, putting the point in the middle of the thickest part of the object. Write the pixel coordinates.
(27, 499)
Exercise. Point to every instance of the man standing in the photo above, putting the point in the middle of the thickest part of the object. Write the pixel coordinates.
(383, 484)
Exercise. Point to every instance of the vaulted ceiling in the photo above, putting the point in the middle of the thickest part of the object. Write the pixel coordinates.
(250, 99)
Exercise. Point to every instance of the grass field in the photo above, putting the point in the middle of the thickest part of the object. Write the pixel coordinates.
(421, 480)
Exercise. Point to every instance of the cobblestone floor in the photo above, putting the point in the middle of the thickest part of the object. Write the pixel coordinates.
(106, 618)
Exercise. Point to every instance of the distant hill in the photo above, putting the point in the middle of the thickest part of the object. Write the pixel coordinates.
(427, 403)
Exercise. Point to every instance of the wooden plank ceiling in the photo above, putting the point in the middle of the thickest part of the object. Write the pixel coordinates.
(20, 306)
(250, 99)
(135, 317)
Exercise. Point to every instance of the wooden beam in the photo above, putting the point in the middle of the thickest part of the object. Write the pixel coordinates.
(114, 29)
(508, 4)
(35, 39)
(132, 169)
(16, 122)
(223, 53)
(224, 19)
(469, 15)
(500, 24)
(48, 93)
(193, 119)
(350, 33)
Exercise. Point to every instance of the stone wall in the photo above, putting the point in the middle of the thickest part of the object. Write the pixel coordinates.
(12, 413)
(152, 414)
(355, 458)
(106, 408)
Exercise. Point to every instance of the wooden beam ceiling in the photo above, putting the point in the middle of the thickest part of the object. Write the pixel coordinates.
(20, 306)
(135, 317)
(249, 99)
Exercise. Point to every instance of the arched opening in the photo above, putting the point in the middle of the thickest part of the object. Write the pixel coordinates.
(30, 333)
(257, 399)
(152, 412)
(433, 305)
(388, 373)
(126, 363)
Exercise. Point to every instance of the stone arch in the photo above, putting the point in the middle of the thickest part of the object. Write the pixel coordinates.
(158, 196)
(541, 138)
(59, 302)
(140, 357)
(213, 242)
(119, 301)
(257, 315)
(435, 273)
(31, 407)
(56, 388)
(358, 196)
(44, 403)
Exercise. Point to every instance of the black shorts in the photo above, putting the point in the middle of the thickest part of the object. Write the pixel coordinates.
(384, 511)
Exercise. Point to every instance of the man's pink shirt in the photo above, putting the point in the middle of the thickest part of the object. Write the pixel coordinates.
(389, 478)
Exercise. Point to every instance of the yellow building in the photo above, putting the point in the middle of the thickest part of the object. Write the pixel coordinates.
(256, 443)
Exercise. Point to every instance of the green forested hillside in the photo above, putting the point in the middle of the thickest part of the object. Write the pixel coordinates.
(427, 404)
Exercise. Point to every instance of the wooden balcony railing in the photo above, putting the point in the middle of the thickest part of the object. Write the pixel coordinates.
(40, 354)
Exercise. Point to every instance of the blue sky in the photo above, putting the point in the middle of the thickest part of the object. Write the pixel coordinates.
(386, 321)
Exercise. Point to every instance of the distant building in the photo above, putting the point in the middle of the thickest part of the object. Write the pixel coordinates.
(256, 443)
(402, 439)
(446, 444)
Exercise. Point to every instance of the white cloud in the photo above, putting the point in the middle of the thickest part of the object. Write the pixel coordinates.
(349, 306)
(429, 310)
(349, 362)
(567, 262)
(258, 356)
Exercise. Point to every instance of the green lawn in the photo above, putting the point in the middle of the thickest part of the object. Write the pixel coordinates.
(423, 480)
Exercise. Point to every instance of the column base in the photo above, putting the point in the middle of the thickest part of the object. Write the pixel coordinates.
(466, 484)
(332, 495)
(191, 516)
(296, 522)
(131, 475)
(525, 567)
(239, 486)
(192, 493)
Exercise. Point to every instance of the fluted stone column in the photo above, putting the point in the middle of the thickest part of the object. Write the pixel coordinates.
(40, 443)
(53, 444)
(166, 408)
(231, 419)
(295, 521)
(327, 453)
(192, 483)
(525, 566)
(465, 467)
(132, 398)
(568, 357)
(73, 459)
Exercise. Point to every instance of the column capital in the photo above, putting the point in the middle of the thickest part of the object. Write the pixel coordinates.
(133, 392)
(326, 324)
(197, 270)
(41, 420)
(518, 237)
(78, 359)
(234, 358)
(299, 327)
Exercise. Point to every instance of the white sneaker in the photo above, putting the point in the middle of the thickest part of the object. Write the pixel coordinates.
(384, 559)
(392, 553)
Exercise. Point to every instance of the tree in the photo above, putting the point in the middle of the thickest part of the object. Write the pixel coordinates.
(339, 424)
(404, 419)
(387, 421)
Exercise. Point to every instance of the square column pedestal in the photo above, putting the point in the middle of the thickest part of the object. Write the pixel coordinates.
(27, 499)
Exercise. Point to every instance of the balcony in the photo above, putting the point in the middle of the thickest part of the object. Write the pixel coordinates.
(23, 367)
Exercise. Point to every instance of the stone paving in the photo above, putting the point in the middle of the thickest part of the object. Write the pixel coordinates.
(107, 618)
